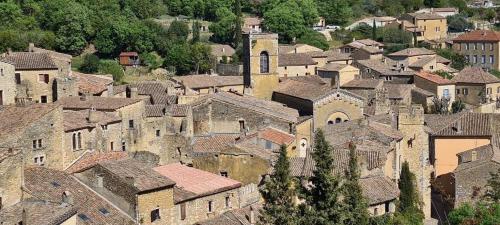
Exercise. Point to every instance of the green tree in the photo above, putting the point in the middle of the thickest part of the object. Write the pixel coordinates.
(112, 67)
(408, 199)
(336, 12)
(286, 20)
(178, 58)
(492, 193)
(90, 64)
(353, 199)
(458, 23)
(322, 199)
(481, 213)
(196, 31)
(178, 30)
(152, 60)
(374, 31)
(278, 194)
(315, 39)
(489, 14)
(457, 106)
(458, 60)
(237, 23)
(223, 28)
(309, 11)
(396, 39)
(201, 58)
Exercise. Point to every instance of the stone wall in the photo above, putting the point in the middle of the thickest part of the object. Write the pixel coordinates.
(470, 183)
(7, 83)
(229, 69)
(36, 88)
(11, 169)
(159, 199)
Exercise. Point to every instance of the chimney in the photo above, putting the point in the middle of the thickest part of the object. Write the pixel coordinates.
(83, 97)
(134, 92)
(223, 49)
(130, 180)
(24, 217)
(31, 47)
(252, 216)
(92, 117)
(110, 90)
(9, 51)
(67, 198)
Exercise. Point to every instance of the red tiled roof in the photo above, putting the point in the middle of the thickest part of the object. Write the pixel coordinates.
(478, 36)
(276, 136)
(129, 54)
(433, 78)
(197, 181)
(91, 159)
(90, 83)
(99, 103)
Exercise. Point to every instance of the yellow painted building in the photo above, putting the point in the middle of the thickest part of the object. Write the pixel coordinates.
(433, 25)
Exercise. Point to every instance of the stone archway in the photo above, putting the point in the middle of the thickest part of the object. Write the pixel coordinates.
(337, 117)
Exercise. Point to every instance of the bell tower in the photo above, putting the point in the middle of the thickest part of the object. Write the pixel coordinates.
(260, 65)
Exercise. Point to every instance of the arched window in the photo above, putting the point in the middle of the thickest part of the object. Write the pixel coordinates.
(264, 62)
(74, 141)
(79, 140)
(338, 120)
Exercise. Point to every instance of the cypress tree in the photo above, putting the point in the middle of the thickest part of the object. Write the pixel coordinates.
(374, 30)
(408, 196)
(238, 24)
(322, 204)
(196, 31)
(354, 201)
(279, 194)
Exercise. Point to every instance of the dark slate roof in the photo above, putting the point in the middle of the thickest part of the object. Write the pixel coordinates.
(49, 184)
(251, 103)
(145, 178)
(378, 189)
(460, 124)
(14, 119)
(475, 75)
(30, 61)
(413, 52)
(234, 217)
(295, 59)
(38, 212)
(484, 155)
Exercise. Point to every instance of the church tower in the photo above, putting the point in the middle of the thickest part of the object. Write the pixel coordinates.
(260, 64)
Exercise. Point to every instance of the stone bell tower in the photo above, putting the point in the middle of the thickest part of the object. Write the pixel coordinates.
(260, 64)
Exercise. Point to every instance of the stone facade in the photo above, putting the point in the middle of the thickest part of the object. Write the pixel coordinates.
(415, 150)
(11, 170)
(260, 83)
(7, 84)
(470, 183)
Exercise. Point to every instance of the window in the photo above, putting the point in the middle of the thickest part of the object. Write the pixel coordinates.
(83, 217)
(446, 93)
(157, 133)
(155, 215)
(482, 46)
(475, 46)
(387, 207)
(228, 202)
(34, 144)
(43, 99)
(183, 211)
(131, 124)
(467, 58)
(79, 140)
(18, 78)
(474, 59)
(43, 78)
(111, 145)
(223, 173)
(1, 202)
(458, 91)
(1, 72)
(73, 141)
(375, 212)
(466, 46)
(123, 146)
(492, 59)
(104, 127)
(269, 144)
(368, 70)
(489, 91)
(242, 125)
(473, 156)
(39, 160)
(338, 120)
(210, 206)
(465, 91)
(491, 47)
(330, 122)
(388, 78)
(483, 59)
(104, 211)
(431, 67)
(307, 66)
(264, 62)
(37, 144)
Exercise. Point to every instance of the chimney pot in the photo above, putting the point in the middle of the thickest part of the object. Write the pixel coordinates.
(252, 215)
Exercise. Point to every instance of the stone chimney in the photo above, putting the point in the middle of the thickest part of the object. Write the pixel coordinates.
(31, 47)
(83, 97)
(9, 51)
(67, 198)
(134, 92)
(92, 117)
(252, 216)
(130, 180)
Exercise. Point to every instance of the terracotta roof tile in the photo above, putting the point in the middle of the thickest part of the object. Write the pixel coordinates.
(155, 110)
(426, 16)
(92, 84)
(276, 136)
(475, 75)
(30, 61)
(479, 36)
(433, 78)
(379, 189)
(295, 59)
(364, 83)
(206, 81)
(48, 184)
(90, 159)
(15, 119)
(129, 54)
(99, 103)
(219, 50)
(461, 124)
(37, 211)
(196, 181)
(76, 120)
(213, 143)
(178, 110)
(413, 52)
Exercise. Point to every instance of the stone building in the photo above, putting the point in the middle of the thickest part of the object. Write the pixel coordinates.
(33, 211)
(222, 53)
(199, 195)
(7, 84)
(473, 172)
(367, 52)
(11, 170)
(91, 84)
(358, 44)
(313, 97)
(296, 64)
(385, 69)
(244, 216)
(480, 48)
(37, 130)
(206, 84)
(297, 48)
(130, 110)
(60, 187)
(260, 64)
(62, 61)
(134, 188)
(478, 88)
(227, 155)
(421, 59)
(434, 26)
(225, 112)
(442, 88)
(345, 73)
(272, 139)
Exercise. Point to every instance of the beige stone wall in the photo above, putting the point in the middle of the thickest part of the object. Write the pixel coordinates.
(264, 85)
(88, 137)
(37, 88)
(133, 136)
(7, 83)
(434, 29)
(237, 88)
(348, 74)
(476, 49)
(342, 108)
(11, 170)
(379, 210)
(303, 135)
(197, 209)
(162, 199)
(70, 221)
(320, 61)
(295, 71)
(446, 150)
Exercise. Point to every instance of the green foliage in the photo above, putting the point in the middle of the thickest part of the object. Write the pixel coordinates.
(238, 23)
(336, 12)
(443, 74)
(201, 58)
(278, 194)
(18, 41)
(286, 20)
(355, 204)
(458, 23)
(396, 39)
(492, 193)
(495, 73)
(152, 60)
(481, 213)
(112, 67)
(457, 106)
(408, 197)
(322, 200)
(90, 64)
(223, 28)
(184, 58)
(458, 61)
(315, 39)
(196, 31)
(178, 30)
